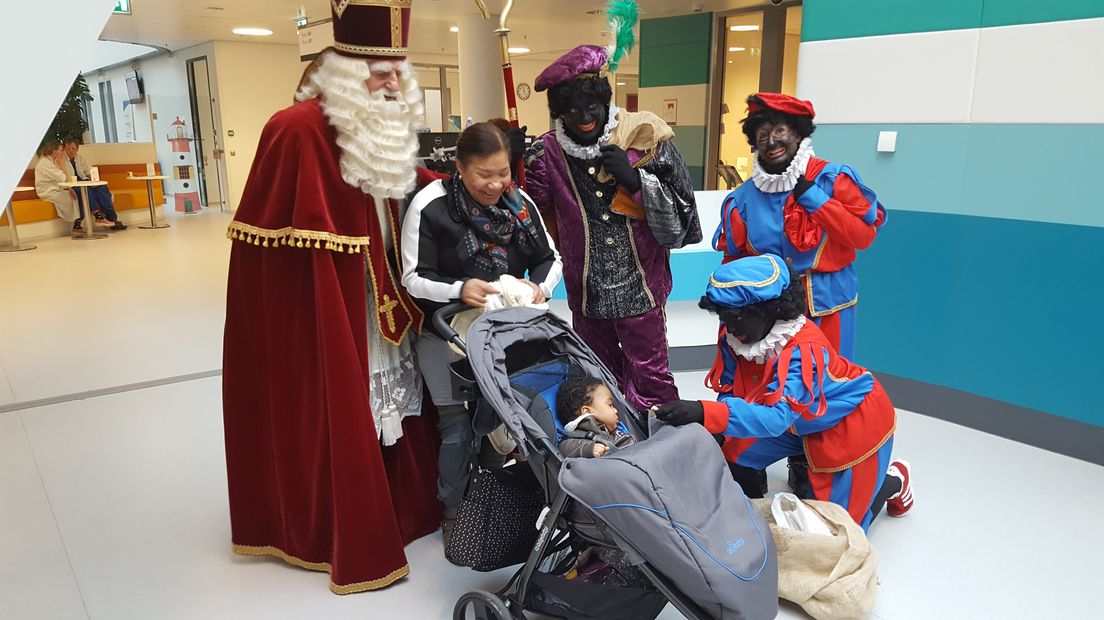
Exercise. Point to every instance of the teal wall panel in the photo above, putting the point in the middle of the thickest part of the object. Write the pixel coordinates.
(823, 20)
(690, 140)
(1026, 172)
(1013, 12)
(675, 51)
(987, 306)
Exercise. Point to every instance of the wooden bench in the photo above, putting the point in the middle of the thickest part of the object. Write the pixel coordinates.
(129, 194)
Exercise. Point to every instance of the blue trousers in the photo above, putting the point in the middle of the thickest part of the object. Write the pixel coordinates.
(100, 199)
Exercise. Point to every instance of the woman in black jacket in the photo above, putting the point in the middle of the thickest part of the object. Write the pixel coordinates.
(460, 235)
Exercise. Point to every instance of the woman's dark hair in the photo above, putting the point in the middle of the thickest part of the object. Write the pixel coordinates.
(48, 147)
(802, 125)
(481, 140)
(787, 307)
(575, 392)
(559, 96)
(500, 122)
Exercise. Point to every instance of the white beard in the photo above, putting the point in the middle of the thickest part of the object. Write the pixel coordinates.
(379, 145)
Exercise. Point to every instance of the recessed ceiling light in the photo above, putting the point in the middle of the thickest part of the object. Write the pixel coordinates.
(252, 32)
(737, 49)
(743, 28)
(621, 83)
(454, 28)
(519, 50)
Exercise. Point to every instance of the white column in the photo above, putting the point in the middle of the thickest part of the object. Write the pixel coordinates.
(481, 92)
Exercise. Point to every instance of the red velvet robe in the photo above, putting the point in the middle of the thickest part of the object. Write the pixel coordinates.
(309, 481)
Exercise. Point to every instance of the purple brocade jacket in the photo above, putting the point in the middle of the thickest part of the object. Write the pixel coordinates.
(614, 266)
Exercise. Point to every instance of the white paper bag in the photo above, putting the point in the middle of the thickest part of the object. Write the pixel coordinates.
(792, 514)
(151, 170)
(95, 172)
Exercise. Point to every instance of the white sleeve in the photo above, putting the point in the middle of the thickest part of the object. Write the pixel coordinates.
(413, 238)
(555, 273)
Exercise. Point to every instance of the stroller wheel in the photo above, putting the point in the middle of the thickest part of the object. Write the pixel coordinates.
(483, 606)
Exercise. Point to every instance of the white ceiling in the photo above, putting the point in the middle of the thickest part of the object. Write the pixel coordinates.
(547, 27)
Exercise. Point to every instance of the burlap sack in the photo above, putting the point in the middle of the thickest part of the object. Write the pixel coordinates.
(830, 577)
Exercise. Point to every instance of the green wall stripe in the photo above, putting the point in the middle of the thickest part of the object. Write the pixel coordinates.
(690, 140)
(824, 20)
(697, 175)
(675, 51)
(1003, 171)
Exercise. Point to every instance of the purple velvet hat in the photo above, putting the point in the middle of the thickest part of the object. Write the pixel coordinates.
(582, 59)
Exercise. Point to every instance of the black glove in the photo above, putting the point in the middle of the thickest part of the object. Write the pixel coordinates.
(803, 184)
(616, 163)
(682, 412)
(516, 135)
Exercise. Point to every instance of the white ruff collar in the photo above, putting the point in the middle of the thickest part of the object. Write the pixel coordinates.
(593, 151)
(771, 345)
(785, 182)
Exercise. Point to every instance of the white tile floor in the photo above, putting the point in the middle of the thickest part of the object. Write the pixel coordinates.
(114, 507)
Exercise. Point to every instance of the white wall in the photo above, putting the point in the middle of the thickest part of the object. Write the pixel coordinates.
(255, 80)
(40, 75)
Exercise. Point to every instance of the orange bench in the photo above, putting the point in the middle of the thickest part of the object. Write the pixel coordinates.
(129, 194)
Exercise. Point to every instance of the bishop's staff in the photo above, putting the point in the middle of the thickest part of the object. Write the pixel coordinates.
(507, 75)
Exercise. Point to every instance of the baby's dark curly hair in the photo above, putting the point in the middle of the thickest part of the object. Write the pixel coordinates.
(559, 96)
(787, 307)
(802, 125)
(575, 392)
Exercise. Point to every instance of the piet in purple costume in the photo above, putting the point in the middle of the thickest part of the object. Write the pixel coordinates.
(615, 191)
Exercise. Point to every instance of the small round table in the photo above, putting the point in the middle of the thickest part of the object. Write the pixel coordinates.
(149, 192)
(86, 208)
(15, 247)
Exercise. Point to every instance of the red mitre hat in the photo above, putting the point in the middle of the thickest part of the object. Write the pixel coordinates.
(780, 103)
(376, 29)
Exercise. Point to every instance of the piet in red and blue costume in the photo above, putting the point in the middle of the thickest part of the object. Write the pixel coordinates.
(797, 395)
(815, 214)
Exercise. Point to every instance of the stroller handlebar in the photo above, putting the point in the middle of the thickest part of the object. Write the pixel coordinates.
(441, 323)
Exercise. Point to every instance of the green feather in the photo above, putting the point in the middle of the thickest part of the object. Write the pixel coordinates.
(622, 16)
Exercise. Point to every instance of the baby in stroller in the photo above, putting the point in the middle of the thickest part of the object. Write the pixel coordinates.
(591, 429)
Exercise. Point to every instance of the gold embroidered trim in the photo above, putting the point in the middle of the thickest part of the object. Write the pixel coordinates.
(639, 267)
(389, 304)
(820, 250)
(339, 6)
(770, 280)
(371, 51)
(834, 470)
(323, 567)
(812, 308)
(396, 26)
(586, 226)
(293, 237)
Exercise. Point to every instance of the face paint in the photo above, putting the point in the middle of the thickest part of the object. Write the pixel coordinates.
(776, 146)
(584, 118)
(749, 327)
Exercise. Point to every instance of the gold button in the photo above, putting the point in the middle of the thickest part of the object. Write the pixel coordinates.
(591, 170)
(609, 240)
(599, 193)
(789, 260)
(605, 217)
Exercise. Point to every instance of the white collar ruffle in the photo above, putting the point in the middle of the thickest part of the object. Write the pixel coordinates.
(786, 181)
(593, 151)
(771, 345)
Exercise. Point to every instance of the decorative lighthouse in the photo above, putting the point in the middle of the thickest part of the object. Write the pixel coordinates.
(184, 182)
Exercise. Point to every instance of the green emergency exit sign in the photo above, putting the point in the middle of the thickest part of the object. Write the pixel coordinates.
(122, 6)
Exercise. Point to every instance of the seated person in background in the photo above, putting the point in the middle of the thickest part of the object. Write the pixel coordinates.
(585, 408)
(49, 172)
(102, 207)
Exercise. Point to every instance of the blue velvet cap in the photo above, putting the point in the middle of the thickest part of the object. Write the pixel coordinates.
(748, 281)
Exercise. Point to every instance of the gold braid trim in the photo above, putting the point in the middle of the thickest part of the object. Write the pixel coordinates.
(324, 567)
(293, 237)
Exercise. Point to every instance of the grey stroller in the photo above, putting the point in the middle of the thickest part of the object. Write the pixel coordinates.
(664, 514)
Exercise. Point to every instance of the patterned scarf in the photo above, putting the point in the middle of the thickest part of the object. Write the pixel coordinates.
(491, 229)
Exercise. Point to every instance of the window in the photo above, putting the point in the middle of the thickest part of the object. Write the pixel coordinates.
(107, 106)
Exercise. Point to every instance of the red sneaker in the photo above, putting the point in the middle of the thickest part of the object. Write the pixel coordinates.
(900, 503)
